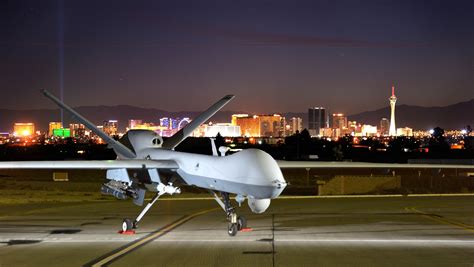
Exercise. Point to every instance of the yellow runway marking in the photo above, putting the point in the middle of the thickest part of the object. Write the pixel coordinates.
(149, 238)
(432, 217)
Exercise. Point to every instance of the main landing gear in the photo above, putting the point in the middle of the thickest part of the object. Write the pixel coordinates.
(127, 225)
(236, 223)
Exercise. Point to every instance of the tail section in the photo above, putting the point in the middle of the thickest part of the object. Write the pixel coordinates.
(182, 134)
(118, 147)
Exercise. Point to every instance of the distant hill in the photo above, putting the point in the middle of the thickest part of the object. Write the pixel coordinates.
(450, 117)
(455, 116)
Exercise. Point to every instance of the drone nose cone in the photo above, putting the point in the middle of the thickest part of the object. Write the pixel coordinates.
(270, 172)
(258, 172)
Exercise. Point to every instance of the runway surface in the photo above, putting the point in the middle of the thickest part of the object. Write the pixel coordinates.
(394, 231)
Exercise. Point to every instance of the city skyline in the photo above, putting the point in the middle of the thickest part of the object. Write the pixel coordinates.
(178, 56)
(99, 114)
(319, 121)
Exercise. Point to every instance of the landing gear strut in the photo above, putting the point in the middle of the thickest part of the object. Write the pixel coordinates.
(128, 225)
(236, 223)
(162, 189)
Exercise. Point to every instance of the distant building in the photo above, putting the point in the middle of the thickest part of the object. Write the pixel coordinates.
(295, 125)
(405, 131)
(23, 129)
(261, 125)
(54, 125)
(249, 126)
(272, 125)
(326, 132)
(174, 123)
(354, 128)
(111, 127)
(170, 126)
(339, 125)
(148, 126)
(77, 130)
(200, 131)
(165, 122)
(132, 124)
(236, 116)
(339, 121)
(225, 129)
(317, 119)
(62, 132)
(384, 126)
(4, 137)
(368, 130)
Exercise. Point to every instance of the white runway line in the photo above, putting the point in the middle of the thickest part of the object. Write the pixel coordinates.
(400, 242)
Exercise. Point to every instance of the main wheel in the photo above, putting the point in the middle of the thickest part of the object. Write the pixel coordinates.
(127, 225)
(232, 229)
(241, 223)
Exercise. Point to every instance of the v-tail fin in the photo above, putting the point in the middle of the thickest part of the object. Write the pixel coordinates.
(118, 147)
(182, 134)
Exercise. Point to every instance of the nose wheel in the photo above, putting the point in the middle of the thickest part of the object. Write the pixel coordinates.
(236, 223)
(232, 229)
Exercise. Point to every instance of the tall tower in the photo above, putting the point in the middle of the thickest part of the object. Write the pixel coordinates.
(393, 100)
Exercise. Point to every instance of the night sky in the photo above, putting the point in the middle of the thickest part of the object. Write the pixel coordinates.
(275, 56)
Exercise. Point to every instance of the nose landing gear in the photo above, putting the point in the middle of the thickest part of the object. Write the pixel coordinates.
(236, 223)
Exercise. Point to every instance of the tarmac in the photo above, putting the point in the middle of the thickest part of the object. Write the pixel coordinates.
(354, 231)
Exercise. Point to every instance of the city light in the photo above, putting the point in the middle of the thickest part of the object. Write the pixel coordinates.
(25, 133)
(23, 129)
(257, 129)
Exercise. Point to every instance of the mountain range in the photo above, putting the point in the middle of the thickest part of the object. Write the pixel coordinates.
(454, 116)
